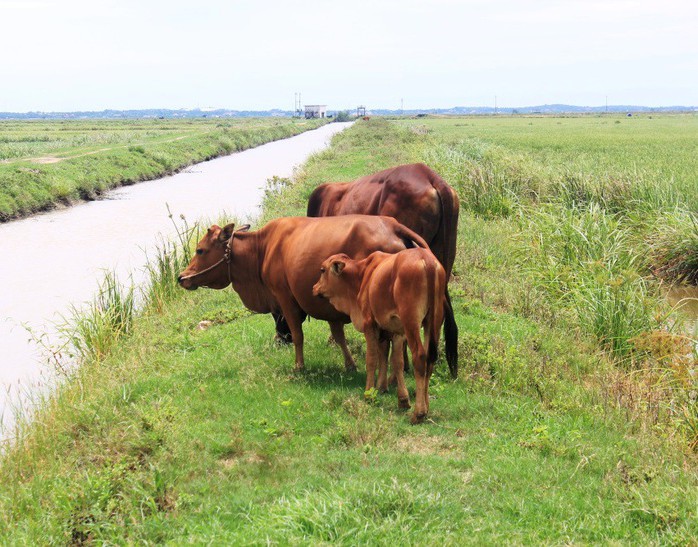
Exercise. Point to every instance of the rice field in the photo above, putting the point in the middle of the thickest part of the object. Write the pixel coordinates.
(572, 421)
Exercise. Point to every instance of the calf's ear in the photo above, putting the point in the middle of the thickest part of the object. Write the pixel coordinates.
(337, 267)
(226, 232)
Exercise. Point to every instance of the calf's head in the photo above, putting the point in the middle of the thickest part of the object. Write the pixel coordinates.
(334, 284)
(209, 267)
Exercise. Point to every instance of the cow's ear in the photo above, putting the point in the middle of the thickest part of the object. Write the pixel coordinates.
(243, 228)
(226, 232)
(338, 266)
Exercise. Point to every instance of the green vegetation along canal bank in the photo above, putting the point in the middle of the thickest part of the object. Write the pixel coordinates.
(48, 163)
(572, 420)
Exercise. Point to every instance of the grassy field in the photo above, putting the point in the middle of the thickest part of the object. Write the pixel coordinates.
(641, 149)
(47, 163)
(174, 433)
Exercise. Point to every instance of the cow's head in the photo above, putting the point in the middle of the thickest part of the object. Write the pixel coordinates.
(209, 267)
(331, 285)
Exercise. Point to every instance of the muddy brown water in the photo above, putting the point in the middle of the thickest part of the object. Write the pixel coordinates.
(685, 301)
(51, 262)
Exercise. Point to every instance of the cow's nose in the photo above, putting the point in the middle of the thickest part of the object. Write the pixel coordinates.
(179, 279)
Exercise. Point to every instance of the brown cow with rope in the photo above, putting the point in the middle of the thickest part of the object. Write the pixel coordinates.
(274, 269)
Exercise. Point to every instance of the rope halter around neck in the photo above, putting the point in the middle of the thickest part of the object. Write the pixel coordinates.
(227, 256)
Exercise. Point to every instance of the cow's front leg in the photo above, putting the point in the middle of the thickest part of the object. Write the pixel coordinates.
(372, 355)
(294, 317)
(337, 330)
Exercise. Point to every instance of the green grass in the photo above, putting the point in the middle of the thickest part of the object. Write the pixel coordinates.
(188, 435)
(47, 163)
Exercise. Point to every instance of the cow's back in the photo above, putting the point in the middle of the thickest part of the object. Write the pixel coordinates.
(413, 194)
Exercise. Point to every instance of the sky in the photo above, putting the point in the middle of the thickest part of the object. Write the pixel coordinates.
(68, 55)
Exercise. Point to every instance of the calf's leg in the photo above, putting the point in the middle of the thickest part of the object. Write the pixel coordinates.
(372, 355)
(384, 348)
(398, 371)
(421, 373)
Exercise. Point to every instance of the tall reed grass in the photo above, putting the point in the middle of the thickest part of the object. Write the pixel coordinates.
(673, 247)
(106, 319)
(582, 258)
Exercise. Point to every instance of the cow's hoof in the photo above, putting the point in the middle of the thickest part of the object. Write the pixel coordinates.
(350, 369)
(418, 418)
(283, 339)
(403, 403)
(383, 388)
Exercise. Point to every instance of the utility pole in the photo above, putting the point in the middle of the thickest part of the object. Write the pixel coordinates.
(606, 104)
(495, 104)
(297, 104)
(402, 104)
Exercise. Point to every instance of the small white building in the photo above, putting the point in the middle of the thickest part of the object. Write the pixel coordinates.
(315, 111)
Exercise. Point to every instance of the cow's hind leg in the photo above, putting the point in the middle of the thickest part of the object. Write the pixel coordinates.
(341, 340)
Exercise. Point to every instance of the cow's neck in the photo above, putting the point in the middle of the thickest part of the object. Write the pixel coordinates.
(245, 272)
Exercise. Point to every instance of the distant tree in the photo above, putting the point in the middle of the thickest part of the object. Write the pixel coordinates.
(342, 116)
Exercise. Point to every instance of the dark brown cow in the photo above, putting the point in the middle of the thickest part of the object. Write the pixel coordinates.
(399, 294)
(417, 197)
(274, 269)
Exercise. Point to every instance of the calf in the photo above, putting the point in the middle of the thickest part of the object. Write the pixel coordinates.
(398, 294)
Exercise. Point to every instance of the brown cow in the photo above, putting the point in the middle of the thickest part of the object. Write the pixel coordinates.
(418, 198)
(398, 294)
(274, 269)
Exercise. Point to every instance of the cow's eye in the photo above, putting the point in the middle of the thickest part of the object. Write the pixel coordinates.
(322, 270)
(199, 251)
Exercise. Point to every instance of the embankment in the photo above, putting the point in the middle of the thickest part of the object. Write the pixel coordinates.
(86, 169)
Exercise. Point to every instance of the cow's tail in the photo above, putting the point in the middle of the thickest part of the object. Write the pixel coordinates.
(315, 202)
(410, 238)
(448, 227)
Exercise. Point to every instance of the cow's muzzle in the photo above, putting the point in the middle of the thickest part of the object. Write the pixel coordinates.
(186, 283)
(318, 292)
